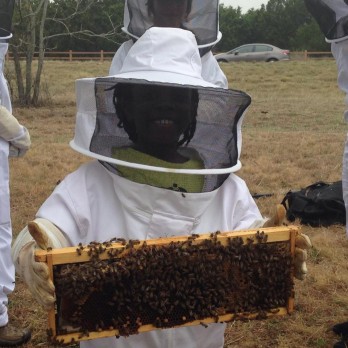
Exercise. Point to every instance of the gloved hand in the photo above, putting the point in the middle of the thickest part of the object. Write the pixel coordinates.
(302, 243)
(13, 132)
(39, 233)
(278, 217)
(331, 17)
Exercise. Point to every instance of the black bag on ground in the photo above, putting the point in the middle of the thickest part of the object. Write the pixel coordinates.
(319, 204)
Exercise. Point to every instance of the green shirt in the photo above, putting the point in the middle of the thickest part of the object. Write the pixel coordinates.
(172, 181)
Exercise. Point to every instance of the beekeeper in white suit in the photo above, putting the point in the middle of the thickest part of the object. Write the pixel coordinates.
(14, 139)
(199, 16)
(165, 141)
(332, 17)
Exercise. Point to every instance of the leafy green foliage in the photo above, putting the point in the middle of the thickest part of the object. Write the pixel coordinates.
(283, 23)
(102, 17)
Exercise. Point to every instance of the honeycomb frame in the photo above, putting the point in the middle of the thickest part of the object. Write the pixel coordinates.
(251, 244)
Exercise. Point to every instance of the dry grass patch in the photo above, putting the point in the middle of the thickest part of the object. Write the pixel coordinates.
(293, 136)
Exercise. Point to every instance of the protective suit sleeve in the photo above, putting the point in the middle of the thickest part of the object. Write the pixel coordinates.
(332, 18)
(39, 234)
(245, 214)
(68, 214)
(118, 59)
(11, 131)
(340, 52)
(211, 71)
(5, 99)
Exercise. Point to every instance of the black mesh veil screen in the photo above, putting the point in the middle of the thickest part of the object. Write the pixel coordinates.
(139, 20)
(202, 19)
(215, 138)
(6, 12)
(324, 13)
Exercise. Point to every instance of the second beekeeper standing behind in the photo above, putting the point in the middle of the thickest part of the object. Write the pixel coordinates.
(201, 17)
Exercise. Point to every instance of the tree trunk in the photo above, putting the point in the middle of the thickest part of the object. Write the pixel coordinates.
(19, 75)
(30, 38)
(31, 35)
(36, 93)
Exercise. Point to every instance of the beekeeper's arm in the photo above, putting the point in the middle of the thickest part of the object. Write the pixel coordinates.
(212, 72)
(13, 132)
(10, 130)
(118, 59)
(39, 234)
(332, 18)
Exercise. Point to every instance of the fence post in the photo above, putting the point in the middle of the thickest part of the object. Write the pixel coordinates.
(70, 55)
(102, 55)
(305, 54)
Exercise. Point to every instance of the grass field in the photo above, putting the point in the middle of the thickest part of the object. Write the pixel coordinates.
(293, 135)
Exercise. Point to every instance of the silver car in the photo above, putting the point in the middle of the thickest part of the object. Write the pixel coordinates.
(254, 52)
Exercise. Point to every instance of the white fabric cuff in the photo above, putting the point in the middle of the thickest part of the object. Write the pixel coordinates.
(22, 132)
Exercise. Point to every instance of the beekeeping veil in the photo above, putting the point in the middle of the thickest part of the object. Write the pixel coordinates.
(203, 21)
(332, 17)
(163, 57)
(6, 12)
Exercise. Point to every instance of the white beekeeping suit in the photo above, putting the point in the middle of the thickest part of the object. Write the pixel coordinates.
(15, 137)
(332, 17)
(106, 198)
(6, 265)
(203, 21)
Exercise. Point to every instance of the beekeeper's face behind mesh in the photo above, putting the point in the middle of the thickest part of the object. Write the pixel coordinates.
(169, 13)
(157, 119)
(168, 104)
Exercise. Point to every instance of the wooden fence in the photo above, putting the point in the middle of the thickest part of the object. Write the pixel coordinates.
(304, 55)
(73, 55)
(107, 55)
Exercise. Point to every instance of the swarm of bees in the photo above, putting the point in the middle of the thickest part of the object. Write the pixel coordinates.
(173, 284)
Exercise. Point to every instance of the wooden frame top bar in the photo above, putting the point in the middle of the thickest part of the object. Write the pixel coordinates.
(70, 255)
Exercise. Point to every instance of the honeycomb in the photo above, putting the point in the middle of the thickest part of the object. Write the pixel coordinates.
(170, 285)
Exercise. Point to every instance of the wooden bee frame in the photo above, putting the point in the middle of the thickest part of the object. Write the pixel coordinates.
(255, 262)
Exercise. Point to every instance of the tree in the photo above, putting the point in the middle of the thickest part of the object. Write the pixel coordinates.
(283, 23)
(32, 36)
(231, 25)
(104, 17)
(309, 37)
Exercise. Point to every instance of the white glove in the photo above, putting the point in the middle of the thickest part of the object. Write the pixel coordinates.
(278, 217)
(13, 132)
(331, 17)
(39, 233)
(302, 243)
